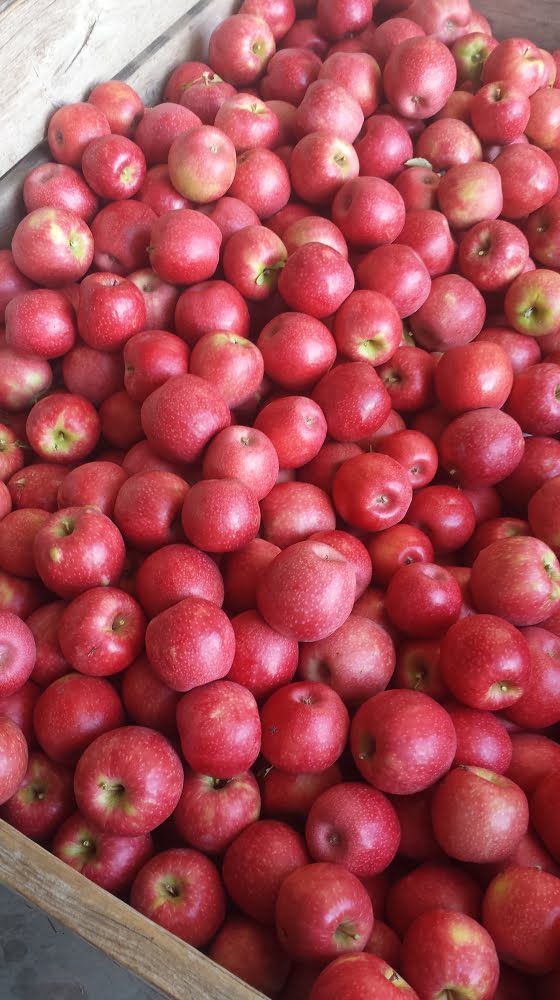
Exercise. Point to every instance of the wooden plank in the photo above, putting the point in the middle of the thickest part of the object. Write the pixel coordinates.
(538, 20)
(159, 958)
(187, 38)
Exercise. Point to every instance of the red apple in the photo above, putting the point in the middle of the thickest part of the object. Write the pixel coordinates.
(190, 643)
(515, 59)
(386, 751)
(212, 812)
(419, 76)
(481, 447)
(13, 758)
(72, 127)
(397, 272)
(72, 712)
(210, 306)
(520, 910)
(452, 315)
(40, 322)
(180, 890)
(321, 911)
(293, 512)
(516, 579)
(219, 729)
(159, 127)
(17, 653)
(120, 103)
(264, 660)
(52, 246)
(242, 571)
(102, 631)
(431, 886)
(110, 861)
(78, 548)
(43, 801)
(529, 179)
(243, 453)
(328, 280)
(427, 232)
(355, 826)
(369, 475)
(202, 163)
(59, 186)
(240, 47)
(307, 591)
(447, 143)
(121, 233)
(290, 72)
(357, 661)
(181, 416)
(114, 167)
(253, 259)
(442, 947)
(491, 680)
(250, 951)
(369, 211)
(184, 247)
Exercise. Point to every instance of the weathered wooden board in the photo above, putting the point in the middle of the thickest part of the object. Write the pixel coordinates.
(159, 958)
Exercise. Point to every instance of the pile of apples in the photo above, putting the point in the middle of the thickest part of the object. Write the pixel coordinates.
(280, 502)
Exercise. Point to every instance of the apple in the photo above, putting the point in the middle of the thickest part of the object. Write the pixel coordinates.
(158, 128)
(261, 181)
(102, 631)
(515, 59)
(17, 653)
(63, 427)
(180, 890)
(248, 122)
(386, 753)
(181, 416)
(367, 327)
(427, 232)
(418, 455)
(243, 453)
(19, 708)
(369, 475)
(202, 163)
(304, 728)
(121, 233)
(253, 259)
(96, 375)
(71, 128)
(220, 515)
(293, 512)
(128, 781)
(351, 974)
(20, 597)
(72, 712)
(337, 18)
(355, 826)
(219, 728)
(320, 163)
(230, 215)
(540, 703)
(49, 663)
(12, 281)
(419, 76)
(78, 548)
(309, 926)
(391, 33)
(212, 812)
(121, 105)
(251, 952)
(307, 591)
(478, 815)
(210, 306)
(147, 700)
(242, 571)
(500, 112)
(533, 401)
(328, 280)
(190, 643)
(369, 211)
(240, 47)
(482, 740)
(264, 660)
(184, 247)
(329, 107)
(120, 423)
(290, 796)
(159, 495)
(431, 886)
(158, 192)
(357, 660)
(491, 680)
(417, 187)
(17, 535)
(305, 33)
(398, 273)
(540, 463)
(59, 186)
(441, 947)
(53, 246)
(150, 358)
(43, 801)
(481, 447)
(529, 179)
(40, 322)
(173, 573)
(290, 71)
(13, 758)
(110, 311)
(448, 143)
(542, 513)
(114, 167)
(520, 911)
(297, 350)
(384, 148)
(110, 861)
(297, 428)
(393, 547)
(516, 579)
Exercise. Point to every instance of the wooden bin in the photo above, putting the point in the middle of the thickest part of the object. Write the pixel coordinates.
(52, 52)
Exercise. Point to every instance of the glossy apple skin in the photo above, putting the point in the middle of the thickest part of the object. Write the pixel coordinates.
(52, 246)
(13, 758)
(40, 322)
(329, 280)
(383, 752)
(319, 165)
(539, 705)
(159, 127)
(190, 643)
(321, 911)
(431, 886)
(72, 127)
(63, 427)
(369, 474)
(121, 105)
(256, 863)
(428, 81)
(529, 180)
(520, 910)
(170, 235)
(181, 416)
(19, 708)
(423, 600)
(533, 757)
(211, 812)
(485, 662)
(43, 801)
(62, 551)
(264, 660)
(18, 652)
(296, 426)
(304, 727)
(239, 49)
(108, 860)
(463, 952)
(479, 816)
(176, 572)
(450, 294)
(147, 700)
(355, 826)
(121, 233)
(128, 781)
(481, 447)
(357, 660)
(482, 741)
(476, 375)
(102, 631)
(94, 484)
(227, 742)
(516, 579)
(397, 272)
(220, 515)
(445, 514)
(252, 953)
(180, 890)
(72, 712)
(49, 663)
(470, 193)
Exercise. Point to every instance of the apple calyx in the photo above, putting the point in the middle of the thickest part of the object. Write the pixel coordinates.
(345, 933)
(33, 793)
(169, 891)
(269, 275)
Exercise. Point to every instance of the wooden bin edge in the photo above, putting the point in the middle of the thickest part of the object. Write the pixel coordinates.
(159, 958)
